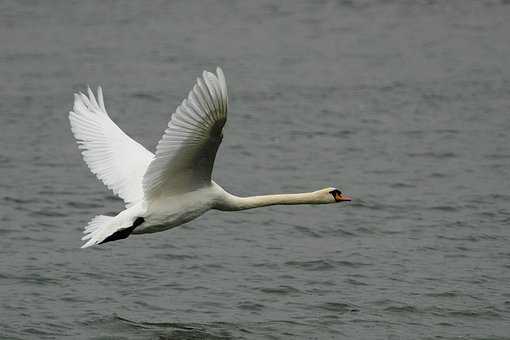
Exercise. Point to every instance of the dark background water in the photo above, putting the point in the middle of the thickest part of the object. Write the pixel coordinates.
(403, 104)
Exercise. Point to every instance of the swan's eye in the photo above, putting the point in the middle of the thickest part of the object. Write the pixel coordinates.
(337, 195)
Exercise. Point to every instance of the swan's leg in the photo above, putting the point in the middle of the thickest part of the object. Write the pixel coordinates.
(123, 233)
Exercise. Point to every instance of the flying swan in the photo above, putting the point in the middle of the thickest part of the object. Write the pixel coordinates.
(173, 186)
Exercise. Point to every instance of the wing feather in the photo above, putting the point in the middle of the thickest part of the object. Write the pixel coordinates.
(116, 159)
(185, 154)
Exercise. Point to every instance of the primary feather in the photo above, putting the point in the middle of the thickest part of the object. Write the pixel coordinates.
(185, 155)
(116, 159)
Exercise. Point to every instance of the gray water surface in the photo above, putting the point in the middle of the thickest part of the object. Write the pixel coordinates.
(405, 105)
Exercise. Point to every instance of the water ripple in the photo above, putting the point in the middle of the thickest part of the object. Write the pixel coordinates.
(314, 265)
(281, 290)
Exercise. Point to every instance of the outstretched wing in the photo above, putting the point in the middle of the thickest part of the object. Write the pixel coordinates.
(185, 155)
(117, 160)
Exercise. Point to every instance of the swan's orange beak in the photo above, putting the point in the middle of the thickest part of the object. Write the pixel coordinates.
(341, 197)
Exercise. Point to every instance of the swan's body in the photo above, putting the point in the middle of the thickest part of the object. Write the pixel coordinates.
(173, 186)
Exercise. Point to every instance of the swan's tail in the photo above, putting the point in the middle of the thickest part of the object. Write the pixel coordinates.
(97, 230)
(102, 229)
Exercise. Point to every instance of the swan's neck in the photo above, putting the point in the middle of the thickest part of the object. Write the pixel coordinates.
(232, 202)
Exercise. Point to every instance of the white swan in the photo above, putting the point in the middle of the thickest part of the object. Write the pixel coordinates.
(174, 186)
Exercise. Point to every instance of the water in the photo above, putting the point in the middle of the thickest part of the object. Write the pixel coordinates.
(404, 105)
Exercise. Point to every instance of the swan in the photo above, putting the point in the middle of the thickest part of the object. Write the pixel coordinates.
(174, 185)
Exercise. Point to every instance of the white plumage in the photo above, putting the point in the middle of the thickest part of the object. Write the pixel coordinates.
(185, 155)
(116, 159)
(173, 186)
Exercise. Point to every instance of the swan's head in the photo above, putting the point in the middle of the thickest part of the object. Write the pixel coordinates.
(333, 195)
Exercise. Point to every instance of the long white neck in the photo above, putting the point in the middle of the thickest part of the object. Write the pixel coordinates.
(232, 202)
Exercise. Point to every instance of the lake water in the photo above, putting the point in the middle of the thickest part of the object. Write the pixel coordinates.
(405, 105)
